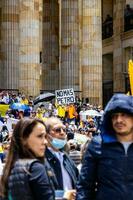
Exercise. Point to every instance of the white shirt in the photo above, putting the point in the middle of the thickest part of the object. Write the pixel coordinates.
(1, 167)
(126, 145)
(67, 183)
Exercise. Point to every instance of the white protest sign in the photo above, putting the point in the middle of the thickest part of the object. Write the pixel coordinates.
(65, 96)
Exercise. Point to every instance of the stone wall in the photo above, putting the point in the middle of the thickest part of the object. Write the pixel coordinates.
(70, 44)
(118, 75)
(92, 51)
(80, 47)
(50, 55)
(29, 52)
(71, 47)
(9, 44)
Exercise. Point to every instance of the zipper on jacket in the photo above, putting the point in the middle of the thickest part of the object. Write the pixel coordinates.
(126, 149)
(125, 167)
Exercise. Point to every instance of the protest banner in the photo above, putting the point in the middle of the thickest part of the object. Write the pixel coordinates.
(65, 96)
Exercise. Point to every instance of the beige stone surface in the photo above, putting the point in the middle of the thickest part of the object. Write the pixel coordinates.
(9, 44)
(118, 52)
(29, 51)
(70, 43)
(50, 46)
(91, 51)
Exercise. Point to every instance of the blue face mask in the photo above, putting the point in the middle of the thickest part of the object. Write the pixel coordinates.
(58, 143)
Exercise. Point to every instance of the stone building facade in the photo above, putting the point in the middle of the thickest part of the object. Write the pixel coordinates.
(72, 47)
(117, 46)
(19, 45)
(57, 44)
(67, 35)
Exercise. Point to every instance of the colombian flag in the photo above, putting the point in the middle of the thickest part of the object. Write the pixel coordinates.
(130, 71)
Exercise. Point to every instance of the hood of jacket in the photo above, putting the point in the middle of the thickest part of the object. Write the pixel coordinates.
(118, 103)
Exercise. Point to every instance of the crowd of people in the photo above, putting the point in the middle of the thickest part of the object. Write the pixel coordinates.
(72, 134)
(53, 152)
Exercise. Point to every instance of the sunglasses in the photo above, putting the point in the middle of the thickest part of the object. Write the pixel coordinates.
(58, 130)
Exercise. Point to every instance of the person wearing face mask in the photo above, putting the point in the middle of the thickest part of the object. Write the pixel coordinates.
(63, 168)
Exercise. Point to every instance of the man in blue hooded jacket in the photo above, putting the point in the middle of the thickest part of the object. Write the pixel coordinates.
(107, 171)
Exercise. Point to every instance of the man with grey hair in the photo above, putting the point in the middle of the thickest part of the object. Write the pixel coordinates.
(63, 168)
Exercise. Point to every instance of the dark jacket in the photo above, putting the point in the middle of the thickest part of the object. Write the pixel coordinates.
(55, 168)
(107, 171)
(29, 181)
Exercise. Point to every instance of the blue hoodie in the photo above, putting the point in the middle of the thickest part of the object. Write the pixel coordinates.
(107, 171)
(118, 103)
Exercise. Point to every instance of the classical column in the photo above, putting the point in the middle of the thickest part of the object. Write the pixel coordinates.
(1, 53)
(29, 54)
(40, 37)
(92, 51)
(50, 47)
(118, 75)
(70, 44)
(9, 59)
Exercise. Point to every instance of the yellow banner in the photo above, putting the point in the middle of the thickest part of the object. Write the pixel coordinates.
(3, 109)
(130, 71)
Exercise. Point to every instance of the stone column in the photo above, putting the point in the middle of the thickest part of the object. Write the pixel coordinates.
(1, 53)
(70, 44)
(50, 52)
(118, 75)
(92, 51)
(29, 58)
(9, 61)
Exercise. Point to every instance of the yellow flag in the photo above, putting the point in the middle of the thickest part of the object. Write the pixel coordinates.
(130, 71)
(3, 109)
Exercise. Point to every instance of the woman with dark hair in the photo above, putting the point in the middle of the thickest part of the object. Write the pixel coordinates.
(24, 175)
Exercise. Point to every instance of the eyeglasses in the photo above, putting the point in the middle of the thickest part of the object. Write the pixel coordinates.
(58, 130)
